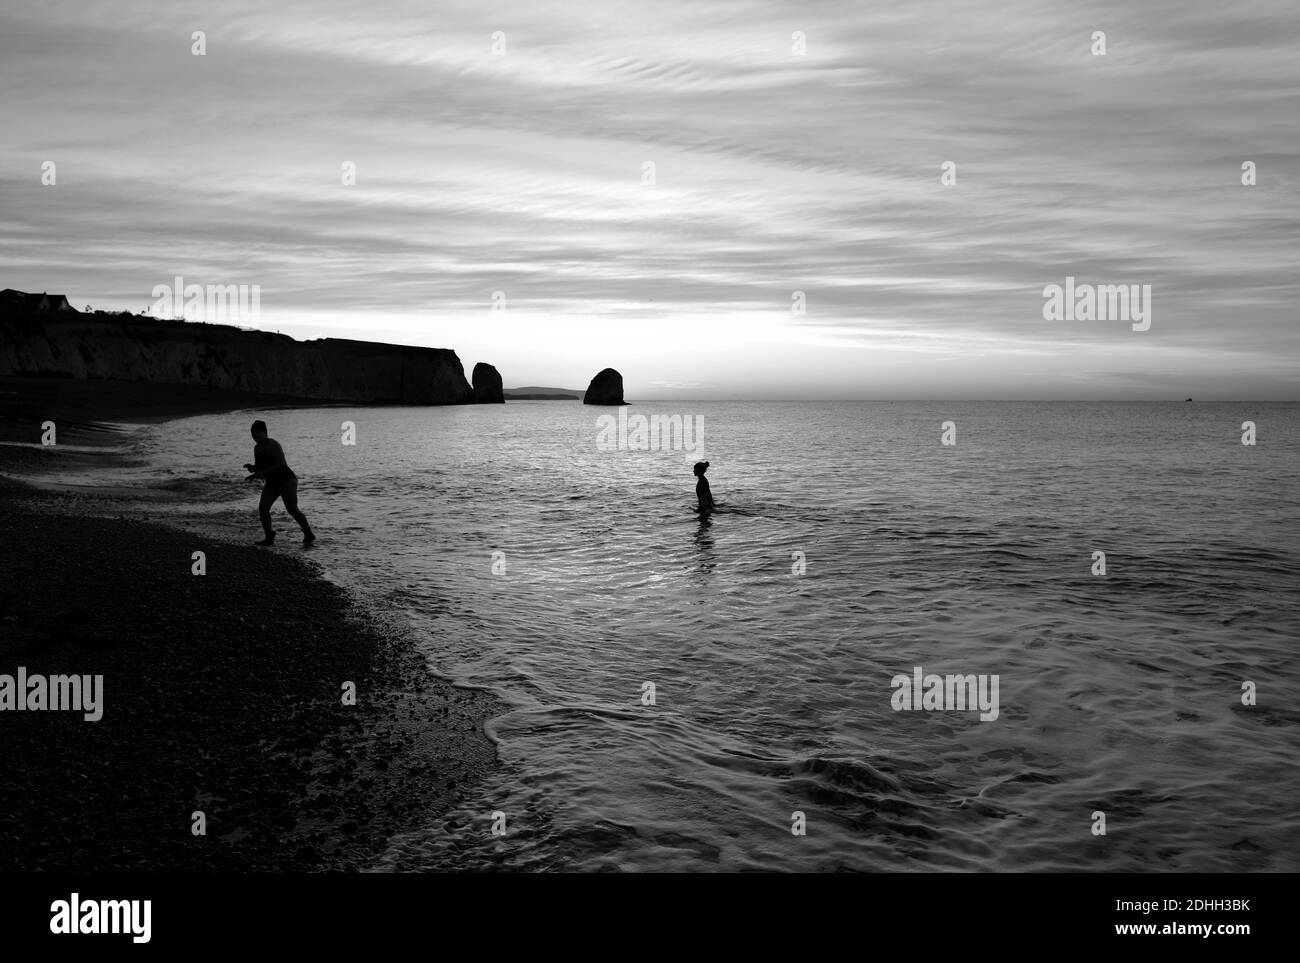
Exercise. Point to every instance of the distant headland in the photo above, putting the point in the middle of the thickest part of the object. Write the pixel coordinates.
(535, 393)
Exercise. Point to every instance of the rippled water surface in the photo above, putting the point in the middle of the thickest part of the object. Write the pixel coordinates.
(1118, 693)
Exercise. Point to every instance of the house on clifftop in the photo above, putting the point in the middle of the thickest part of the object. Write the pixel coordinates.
(34, 302)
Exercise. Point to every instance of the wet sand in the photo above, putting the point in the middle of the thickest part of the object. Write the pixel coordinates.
(222, 694)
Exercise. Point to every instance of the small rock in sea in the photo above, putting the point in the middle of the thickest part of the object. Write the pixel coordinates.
(487, 385)
(605, 389)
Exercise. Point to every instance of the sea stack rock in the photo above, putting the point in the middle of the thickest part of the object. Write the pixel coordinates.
(605, 389)
(487, 385)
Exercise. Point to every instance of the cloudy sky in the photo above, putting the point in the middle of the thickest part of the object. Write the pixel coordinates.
(522, 170)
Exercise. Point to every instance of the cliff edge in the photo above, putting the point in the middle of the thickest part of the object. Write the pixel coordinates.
(38, 341)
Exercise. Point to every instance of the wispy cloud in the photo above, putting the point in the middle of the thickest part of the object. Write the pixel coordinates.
(774, 172)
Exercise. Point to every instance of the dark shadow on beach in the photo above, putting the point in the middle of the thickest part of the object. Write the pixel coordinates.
(221, 694)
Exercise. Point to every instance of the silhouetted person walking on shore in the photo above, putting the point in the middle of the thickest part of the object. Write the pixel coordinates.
(281, 482)
(702, 487)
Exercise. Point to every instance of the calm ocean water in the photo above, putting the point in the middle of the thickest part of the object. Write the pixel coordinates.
(1118, 693)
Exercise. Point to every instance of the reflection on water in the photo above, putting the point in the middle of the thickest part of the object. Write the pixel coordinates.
(704, 543)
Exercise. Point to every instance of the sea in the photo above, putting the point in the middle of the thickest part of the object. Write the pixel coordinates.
(726, 692)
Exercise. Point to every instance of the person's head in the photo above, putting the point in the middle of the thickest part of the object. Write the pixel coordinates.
(700, 468)
(259, 430)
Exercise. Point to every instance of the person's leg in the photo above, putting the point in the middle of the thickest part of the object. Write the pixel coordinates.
(290, 495)
(269, 494)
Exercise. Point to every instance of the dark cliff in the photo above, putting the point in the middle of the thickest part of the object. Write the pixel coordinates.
(487, 385)
(133, 348)
(605, 389)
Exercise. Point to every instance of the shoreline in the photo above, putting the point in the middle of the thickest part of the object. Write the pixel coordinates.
(86, 413)
(222, 694)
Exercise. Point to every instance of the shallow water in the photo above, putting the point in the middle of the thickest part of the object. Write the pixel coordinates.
(1118, 693)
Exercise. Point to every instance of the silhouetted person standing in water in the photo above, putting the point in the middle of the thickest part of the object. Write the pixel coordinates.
(702, 487)
(281, 482)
